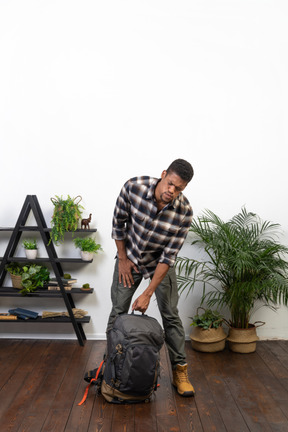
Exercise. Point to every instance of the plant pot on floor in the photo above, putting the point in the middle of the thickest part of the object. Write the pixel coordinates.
(210, 340)
(243, 340)
(244, 264)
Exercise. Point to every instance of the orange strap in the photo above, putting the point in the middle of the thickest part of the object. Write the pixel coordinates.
(87, 388)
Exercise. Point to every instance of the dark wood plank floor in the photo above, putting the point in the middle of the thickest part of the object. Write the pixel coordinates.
(41, 384)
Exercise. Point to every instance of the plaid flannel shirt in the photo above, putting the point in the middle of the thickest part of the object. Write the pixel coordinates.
(151, 237)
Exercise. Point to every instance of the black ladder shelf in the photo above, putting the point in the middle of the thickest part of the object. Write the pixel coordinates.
(31, 204)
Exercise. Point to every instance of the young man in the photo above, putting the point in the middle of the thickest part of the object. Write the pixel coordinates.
(151, 221)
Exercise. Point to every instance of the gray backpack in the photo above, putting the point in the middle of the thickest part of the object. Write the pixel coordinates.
(132, 362)
(131, 365)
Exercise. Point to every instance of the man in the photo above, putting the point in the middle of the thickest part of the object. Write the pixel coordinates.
(151, 221)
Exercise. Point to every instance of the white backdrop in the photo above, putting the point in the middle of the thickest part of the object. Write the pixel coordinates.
(94, 92)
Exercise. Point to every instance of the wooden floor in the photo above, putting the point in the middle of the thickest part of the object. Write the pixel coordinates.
(42, 383)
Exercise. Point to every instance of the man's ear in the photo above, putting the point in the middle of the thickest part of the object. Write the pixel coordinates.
(163, 174)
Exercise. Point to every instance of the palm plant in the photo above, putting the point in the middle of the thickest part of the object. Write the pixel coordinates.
(244, 266)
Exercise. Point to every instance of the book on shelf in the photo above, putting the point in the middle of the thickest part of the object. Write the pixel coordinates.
(65, 281)
(7, 316)
(57, 288)
(23, 313)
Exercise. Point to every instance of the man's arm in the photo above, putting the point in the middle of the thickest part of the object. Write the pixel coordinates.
(125, 266)
(142, 302)
(120, 217)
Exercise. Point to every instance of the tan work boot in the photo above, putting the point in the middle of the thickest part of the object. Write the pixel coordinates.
(181, 381)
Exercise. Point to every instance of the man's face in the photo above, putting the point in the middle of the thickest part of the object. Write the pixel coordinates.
(169, 187)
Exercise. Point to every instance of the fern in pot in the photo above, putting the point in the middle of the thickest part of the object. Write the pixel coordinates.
(87, 246)
(245, 267)
(66, 215)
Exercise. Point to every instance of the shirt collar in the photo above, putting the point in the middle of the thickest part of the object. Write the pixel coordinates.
(151, 189)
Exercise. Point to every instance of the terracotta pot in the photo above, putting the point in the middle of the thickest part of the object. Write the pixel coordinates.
(243, 340)
(211, 340)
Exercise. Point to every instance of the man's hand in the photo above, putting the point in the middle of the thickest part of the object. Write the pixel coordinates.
(141, 303)
(125, 267)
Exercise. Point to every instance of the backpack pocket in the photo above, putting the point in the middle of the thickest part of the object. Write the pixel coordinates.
(139, 371)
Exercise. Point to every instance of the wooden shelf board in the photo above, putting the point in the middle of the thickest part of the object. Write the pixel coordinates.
(47, 260)
(36, 228)
(59, 319)
(14, 292)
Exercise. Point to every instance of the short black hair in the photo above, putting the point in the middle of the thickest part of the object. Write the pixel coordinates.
(182, 168)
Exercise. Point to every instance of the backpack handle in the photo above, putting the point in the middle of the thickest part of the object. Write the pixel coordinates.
(132, 313)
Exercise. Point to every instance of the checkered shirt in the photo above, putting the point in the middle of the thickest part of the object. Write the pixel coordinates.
(151, 237)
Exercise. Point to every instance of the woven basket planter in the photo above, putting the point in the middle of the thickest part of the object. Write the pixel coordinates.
(243, 340)
(211, 340)
(16, 281)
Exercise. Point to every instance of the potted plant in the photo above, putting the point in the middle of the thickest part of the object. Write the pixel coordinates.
(29, 277)
(86, 287)
(15, 270)
(207, 333)
(66, 215)
(30, 247)
(244, 267)
(33, 277)
(87, 246)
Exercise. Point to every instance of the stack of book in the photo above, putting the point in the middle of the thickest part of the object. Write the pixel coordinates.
(54, 286)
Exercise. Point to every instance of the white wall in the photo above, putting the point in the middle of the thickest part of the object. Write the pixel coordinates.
(94, 92)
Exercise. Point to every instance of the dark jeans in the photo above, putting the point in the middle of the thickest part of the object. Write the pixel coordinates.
(167, 300)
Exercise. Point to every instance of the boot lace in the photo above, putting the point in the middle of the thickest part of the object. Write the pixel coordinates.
(182, 376)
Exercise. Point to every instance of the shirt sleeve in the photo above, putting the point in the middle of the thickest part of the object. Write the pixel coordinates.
(121, 214)
(172, 248)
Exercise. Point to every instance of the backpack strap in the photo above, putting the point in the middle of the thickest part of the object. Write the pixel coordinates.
(91, 382)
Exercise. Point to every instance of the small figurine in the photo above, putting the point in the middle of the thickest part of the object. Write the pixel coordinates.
(85, 222)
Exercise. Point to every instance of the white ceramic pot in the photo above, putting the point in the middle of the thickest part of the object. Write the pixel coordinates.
(31, 253)
(86, 256)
